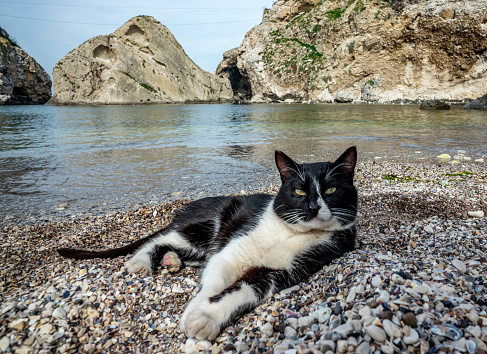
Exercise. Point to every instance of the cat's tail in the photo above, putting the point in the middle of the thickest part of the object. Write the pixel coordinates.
(112, 253)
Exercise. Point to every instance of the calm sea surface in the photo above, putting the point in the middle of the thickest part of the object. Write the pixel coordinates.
(69, 161)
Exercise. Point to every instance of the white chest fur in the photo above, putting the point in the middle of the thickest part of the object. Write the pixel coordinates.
(271, 244)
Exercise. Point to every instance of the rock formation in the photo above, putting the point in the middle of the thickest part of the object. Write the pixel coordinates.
(479, 103)
(324, 51)
(435, 105)
(141, 62)
(22, 79)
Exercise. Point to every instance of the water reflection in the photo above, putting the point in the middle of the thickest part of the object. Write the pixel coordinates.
(101, 158)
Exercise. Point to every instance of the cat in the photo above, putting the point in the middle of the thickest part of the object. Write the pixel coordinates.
(252, 246)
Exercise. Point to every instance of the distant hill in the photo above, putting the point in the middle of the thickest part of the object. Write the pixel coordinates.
(140, 63)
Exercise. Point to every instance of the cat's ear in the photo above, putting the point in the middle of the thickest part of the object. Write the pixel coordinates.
(285, 165)
(347, 161)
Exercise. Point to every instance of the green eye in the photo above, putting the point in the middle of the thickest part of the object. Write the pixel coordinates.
(300, 192)
(330, 190)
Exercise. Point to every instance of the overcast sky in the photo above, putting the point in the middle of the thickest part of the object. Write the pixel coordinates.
(48, 29)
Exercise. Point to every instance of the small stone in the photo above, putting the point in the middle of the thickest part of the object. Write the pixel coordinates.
(327, 345)
(59, 313)
(428, 229)
(305, 322)
(45, 329)
(474, 331)
(376, 333)
(444, 157)
(4, 343)
(92, 313)
(410, 319)
(363, 348)
(471, 346)
(396, 278)
(267, 329)
(289, 290)
(383, 296)
(290, 332)
(18, 324)
(391, 329)
(412, 337)
(344, 330)
(476, 214)
(241, 347)
(342, 346)
(461, 266)
(422, 289)
(352, 294)
(365, 311)
(177, 290)
(7, 308)
(387, 349)
(376, 281)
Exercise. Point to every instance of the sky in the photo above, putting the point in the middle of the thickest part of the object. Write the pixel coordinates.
(49, 29)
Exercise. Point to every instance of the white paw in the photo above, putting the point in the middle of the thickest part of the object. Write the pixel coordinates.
(201, 326)
(172, 262)
(139, 264)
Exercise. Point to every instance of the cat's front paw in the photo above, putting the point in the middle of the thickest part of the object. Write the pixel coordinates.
(201, 326)
(139, 264)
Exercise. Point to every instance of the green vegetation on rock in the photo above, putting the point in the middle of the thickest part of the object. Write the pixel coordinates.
(144, 85)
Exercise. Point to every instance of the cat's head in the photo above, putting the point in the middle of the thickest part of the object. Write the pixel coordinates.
(317, 196)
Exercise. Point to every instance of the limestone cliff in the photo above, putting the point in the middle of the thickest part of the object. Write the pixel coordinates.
(333, 50)
(22, 79)
(141, 62)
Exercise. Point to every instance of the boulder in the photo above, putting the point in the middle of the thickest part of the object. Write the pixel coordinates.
(480, 103)
(140, 63)
(343, 96)
(22, 79)
(434, 105)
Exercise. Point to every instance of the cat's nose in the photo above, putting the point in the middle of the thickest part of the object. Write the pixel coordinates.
(314, 207)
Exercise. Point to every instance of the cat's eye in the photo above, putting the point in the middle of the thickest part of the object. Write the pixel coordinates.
(330, 190)
(300, 192)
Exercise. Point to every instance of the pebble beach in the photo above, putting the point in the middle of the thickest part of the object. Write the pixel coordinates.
(416, 282)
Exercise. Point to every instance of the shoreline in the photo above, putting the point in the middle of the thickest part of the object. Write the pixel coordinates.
(415, 281)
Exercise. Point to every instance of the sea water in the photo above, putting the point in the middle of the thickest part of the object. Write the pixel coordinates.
(69, 161)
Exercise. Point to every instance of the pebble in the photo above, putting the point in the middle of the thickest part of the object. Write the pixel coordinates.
(376, 281)
(267, 329)
(404, 288)
(410, 319)
(476, 214)
(376, 333)
(391, 329)
(412, 337)
(59, 313)
(461, 266)
(4, 343)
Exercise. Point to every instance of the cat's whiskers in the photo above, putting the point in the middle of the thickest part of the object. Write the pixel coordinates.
(293, 216)
(344, 216)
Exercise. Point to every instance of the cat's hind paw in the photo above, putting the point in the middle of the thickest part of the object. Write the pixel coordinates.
(139, 264)
(201, 326)
(172, 262)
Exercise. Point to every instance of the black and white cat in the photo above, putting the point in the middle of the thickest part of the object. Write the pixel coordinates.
(252, 246)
